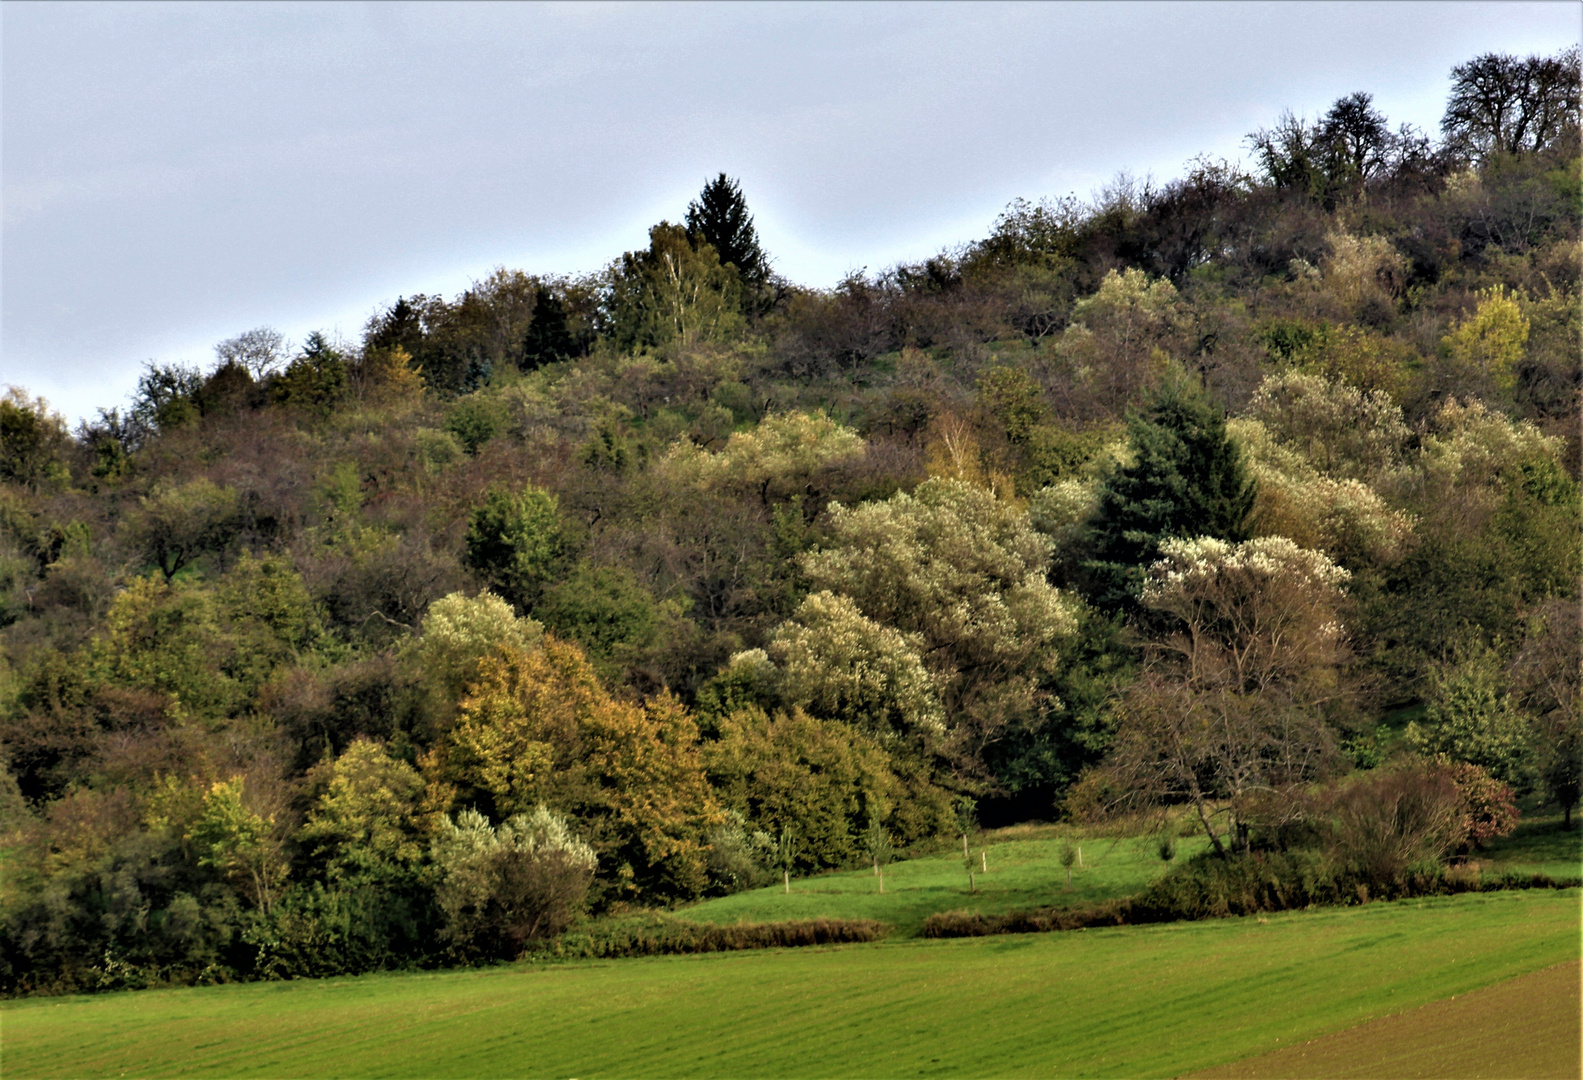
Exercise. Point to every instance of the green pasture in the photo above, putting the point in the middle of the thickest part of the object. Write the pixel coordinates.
(1024, 871)
(1539, 846)
(1130, 1001)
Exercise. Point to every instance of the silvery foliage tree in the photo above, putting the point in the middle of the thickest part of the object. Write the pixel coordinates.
(504, 886)
(947, 582)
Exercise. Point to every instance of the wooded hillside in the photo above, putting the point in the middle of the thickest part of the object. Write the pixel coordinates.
(648, 585)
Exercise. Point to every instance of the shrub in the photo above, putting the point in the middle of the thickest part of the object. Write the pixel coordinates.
(1393, 820)
(504, 887)
(659, 935)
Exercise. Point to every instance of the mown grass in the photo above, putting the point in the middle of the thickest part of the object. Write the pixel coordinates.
(1130, 1001)
(1024, 871)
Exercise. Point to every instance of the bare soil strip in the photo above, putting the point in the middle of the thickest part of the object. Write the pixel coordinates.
(1530, 1027)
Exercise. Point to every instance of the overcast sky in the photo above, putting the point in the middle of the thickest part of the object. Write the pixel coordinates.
(174, 174)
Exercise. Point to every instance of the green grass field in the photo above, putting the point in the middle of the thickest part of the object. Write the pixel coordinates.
(1537, 847)
(1024, 871)
(1129, 1001)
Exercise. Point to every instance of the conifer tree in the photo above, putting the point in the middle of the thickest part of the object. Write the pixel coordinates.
(549, 338)
(720, 215)
(1187, 479)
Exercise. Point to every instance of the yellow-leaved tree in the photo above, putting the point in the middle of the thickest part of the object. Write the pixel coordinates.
(1492, 340)
(536, 727)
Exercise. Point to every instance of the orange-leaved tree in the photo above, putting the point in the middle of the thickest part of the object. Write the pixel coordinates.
(537, 728)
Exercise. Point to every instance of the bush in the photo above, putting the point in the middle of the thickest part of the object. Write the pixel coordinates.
(504, 887)
(1394, 820)
(659, 935)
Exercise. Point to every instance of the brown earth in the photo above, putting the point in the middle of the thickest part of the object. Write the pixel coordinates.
(1529, 1027)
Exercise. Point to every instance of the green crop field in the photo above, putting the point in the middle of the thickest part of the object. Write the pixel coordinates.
(1130, 1001)
(1024, 871)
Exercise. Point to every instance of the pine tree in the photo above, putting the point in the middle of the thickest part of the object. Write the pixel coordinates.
(720, 215)
(1188, 479)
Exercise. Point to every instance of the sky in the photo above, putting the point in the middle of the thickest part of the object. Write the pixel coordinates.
(175, 174)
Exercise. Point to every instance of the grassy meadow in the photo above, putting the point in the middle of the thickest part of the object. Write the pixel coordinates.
(1538, 846)
(1131, 1001)
(1024, 871)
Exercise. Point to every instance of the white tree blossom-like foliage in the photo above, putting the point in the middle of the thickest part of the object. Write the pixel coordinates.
(502, 886)
(959, 575)
(837, 663)
(952, 564)
(459, 631)
(1254, 615)
(1229, 713)
(1473, 446)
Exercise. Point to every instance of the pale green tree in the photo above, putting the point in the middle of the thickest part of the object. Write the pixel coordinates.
(458, 632)
(503, 886)
(961, 573)
(365, 823)
(1470, 716)
(837, 663)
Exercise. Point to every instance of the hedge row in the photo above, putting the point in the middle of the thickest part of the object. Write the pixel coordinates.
(1216, 888)
(664, 936)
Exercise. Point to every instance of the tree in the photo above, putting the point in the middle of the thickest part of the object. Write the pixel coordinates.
(166, 397)
(1492, 341)
(1471, 717)
(720, 216)
(1502, 105)
(1187, 479)
(1356, 139)
(877, 846)
(32, 439)
(364, 825)
(240, 843)
(675, 293)
(782, 457)
(316, 379)
(1548, 676)
(459, 632)
(821, 778)
(176, 523)
(839, 664)
(537, 727)
(963, 574)
(549, 338)
(502, 887)
(515, 542)
(258, 352)
(1230, 713)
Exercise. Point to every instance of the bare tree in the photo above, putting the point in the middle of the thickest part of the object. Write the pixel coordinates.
(258, 352)
(1502, 105)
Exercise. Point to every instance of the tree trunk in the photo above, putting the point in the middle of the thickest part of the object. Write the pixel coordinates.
(984, 858)
(964, 845)
(786, 877)
(1203, 817)
(881, 883)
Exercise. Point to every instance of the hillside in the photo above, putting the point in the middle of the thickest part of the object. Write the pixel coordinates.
(1248, 501)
